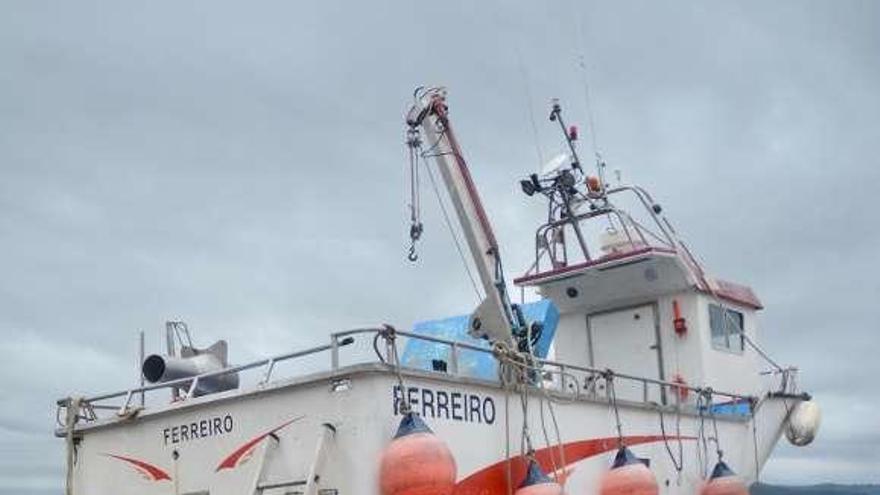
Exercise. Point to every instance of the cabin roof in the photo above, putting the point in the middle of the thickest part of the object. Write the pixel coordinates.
(599, 271)
(540, 277)
(735, 293)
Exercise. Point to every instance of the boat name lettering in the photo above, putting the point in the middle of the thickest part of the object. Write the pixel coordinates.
(203, 428)
(443, 404)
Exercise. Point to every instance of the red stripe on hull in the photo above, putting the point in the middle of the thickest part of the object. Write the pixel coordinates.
(232, 460)
(493, 479)
(152, 472)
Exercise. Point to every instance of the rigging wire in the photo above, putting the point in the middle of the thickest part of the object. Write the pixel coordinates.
(584, 76)
(530, 105)
(523, 72)
(452, 232)
(416, 151)
(612, 396)
(582, 64)
(413, 142)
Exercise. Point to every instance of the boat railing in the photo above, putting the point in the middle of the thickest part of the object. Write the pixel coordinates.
(554, 251)
(87, 408)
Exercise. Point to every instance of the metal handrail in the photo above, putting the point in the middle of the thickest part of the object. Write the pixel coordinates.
(346, 337)
(667, 237)
(586, 369)
(234, 369)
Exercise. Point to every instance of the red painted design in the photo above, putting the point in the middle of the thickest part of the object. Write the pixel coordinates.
(235, 458)
(152, 472)
(493, 479)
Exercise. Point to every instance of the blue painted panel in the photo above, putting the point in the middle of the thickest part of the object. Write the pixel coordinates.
(731, 408)
(420, 354)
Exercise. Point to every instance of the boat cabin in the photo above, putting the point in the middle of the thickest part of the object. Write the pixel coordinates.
(642, 305)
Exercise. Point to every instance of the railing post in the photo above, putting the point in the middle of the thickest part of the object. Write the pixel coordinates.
(563, 379)
(453, 359)
(269, 367)
(334, 352)
(141, 356)
(192, 388)
(124, 408)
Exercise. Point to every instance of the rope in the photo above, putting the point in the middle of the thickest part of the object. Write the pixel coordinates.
(705, 401)
(389, 333)
(546, 435)
(755, 440)
(526, 448)
(612, 397)
(702, 447)
(678, 463)
(516, 371)
(561, 447)
(718, 450)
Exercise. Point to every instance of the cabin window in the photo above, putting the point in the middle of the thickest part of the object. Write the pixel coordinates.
(727, 328)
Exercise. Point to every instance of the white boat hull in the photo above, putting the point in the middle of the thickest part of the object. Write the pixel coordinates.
(221, 444)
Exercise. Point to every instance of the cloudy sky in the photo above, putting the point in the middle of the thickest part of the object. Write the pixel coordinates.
(241, 166)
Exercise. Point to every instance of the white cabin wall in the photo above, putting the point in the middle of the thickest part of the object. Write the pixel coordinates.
(682, 355)
(691, 356)
(570, 342)
(724, 370)
(626, 341)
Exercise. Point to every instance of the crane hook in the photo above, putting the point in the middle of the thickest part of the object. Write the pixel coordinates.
(415, 232)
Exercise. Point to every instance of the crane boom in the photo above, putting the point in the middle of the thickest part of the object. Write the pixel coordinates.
(495, 318)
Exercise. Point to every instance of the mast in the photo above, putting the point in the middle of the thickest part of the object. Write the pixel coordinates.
(496, 318)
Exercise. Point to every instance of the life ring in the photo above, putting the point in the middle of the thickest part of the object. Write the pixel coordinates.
(682, 390)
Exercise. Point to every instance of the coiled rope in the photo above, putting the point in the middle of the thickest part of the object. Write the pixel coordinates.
(518, 371)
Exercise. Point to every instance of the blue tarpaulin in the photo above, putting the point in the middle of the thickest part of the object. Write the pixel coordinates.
(421, 354)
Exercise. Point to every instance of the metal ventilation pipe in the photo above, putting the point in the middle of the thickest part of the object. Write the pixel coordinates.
(159, 369)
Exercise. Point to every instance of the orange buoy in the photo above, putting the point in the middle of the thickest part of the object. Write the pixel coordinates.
(538, 483)
(593, 184)
(724, 482)
(416, 462)
(628, 475)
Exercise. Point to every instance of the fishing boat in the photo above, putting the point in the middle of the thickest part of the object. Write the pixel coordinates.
(632, 371)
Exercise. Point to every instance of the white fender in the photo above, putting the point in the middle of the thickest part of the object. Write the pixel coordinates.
(803, 423)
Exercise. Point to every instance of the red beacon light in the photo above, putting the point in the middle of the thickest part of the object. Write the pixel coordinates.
(573, 133)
